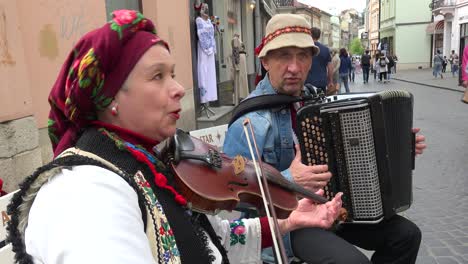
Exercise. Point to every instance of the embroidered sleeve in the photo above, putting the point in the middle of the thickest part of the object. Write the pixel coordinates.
(241, 238)
(205, 36)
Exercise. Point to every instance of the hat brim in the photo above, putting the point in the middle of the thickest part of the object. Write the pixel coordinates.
(300, 40)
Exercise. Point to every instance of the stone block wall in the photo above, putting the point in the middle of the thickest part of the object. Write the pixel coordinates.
(20, 154)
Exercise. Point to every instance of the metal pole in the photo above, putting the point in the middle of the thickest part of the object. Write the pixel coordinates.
(258, 31)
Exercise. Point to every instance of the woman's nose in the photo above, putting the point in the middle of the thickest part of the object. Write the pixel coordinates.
(178, 91)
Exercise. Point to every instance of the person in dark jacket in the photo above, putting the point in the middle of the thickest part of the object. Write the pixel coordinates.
(345, 68)
(365, 65)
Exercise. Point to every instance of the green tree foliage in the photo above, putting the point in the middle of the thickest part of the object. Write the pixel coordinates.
(355, 47)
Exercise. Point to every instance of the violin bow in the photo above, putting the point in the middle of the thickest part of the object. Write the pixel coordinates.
(266, 197)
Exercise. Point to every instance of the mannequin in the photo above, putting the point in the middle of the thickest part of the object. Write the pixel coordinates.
(241, 87)
(206, 60)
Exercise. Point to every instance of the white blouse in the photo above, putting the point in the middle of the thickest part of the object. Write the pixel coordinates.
(91, 215)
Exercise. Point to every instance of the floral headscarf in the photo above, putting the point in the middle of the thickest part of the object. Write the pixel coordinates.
(93, 73)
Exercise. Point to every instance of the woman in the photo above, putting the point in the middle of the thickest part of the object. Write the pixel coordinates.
(107, 198)
(334, 87)
(345, 68)
(437, 68)
(382, 64)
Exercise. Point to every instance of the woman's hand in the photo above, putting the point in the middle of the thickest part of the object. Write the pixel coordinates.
(310, 214)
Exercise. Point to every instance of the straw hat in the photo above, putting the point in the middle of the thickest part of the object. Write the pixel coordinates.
(286, 30)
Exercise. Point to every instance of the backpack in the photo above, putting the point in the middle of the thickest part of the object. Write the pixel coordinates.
(382, 62)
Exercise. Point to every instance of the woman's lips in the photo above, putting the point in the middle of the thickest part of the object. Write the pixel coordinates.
(175, 115)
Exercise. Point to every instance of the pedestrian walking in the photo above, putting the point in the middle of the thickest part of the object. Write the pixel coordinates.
(444, 64)
(375, 66)
(320, 73)
(382, 64)
(352, 73)
(465, 74)
(336, 62)
(365, 65)
(391, 64)
(454, 61)
(395, 59)
(345, 68)
(437, 67)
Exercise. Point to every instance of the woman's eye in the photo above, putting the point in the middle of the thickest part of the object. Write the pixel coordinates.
(157, 76)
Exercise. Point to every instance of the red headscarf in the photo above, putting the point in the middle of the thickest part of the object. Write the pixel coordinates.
(93, 73)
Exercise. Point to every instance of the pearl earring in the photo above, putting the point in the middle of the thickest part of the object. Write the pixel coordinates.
(114, 110)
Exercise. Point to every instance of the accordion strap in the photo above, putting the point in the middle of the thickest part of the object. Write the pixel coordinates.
(273, 100)
(263, 102)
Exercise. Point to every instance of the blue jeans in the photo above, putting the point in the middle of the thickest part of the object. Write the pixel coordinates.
(454, 69)
(437, 70)
(344, 79)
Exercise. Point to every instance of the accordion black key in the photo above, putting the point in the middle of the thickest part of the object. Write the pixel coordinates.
(367, 141)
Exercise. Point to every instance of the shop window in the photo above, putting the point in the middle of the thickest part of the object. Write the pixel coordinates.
(112, 5)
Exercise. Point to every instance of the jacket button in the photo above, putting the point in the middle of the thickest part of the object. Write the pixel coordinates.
(283, 111)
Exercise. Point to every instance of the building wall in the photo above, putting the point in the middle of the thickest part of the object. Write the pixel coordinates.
(374, 25)
(412, 55)
(35, 39)
(407, 30)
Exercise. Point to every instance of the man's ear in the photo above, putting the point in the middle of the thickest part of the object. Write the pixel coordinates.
(265, 64)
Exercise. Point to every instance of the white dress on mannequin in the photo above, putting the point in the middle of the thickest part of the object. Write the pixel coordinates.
(240, 68)
(206, 61)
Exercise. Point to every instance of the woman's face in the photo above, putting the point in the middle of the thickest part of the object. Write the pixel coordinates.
(149, 102)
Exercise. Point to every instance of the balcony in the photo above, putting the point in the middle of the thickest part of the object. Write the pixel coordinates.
(443, 7)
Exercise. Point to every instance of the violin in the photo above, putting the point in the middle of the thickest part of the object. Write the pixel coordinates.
(212, 181)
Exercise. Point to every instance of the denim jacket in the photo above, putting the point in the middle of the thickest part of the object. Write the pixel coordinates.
(274, 138)
(273, 133)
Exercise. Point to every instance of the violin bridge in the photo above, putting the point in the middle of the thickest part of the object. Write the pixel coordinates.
(239, 164)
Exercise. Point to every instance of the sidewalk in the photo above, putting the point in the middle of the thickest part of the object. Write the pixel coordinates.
(424, 77)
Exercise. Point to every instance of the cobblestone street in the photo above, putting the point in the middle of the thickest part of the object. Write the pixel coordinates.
(440, 206)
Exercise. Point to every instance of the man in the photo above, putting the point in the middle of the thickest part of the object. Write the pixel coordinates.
(321, 73)
(287, 57)
(454, 60)
(365, 64)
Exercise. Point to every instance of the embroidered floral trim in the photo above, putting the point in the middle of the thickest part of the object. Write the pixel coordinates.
(276, 33)
(237, 232)
(123, 19)
(164, 232)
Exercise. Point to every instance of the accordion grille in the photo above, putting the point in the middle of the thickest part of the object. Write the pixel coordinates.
(361, 164)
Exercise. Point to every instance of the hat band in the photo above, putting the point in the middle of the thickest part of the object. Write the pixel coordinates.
(278, 32)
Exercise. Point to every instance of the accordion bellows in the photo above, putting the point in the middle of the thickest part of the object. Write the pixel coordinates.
(367, 141)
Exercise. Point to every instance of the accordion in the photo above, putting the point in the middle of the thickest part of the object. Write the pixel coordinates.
(366, 140)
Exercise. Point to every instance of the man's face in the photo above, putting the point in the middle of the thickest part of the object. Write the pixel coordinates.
(287, 68)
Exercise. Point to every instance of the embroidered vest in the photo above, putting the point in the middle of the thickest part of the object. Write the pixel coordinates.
(173, 235)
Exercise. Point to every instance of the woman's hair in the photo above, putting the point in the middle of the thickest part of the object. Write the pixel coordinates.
(343, 52)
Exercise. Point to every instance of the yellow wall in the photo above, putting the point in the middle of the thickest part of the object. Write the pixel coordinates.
(36, 37)
(40, 34)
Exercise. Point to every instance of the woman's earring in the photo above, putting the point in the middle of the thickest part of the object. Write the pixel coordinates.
(114, 110)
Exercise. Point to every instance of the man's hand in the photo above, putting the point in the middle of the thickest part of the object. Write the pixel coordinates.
(310, 214)
(310, 177)
(420, 141)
